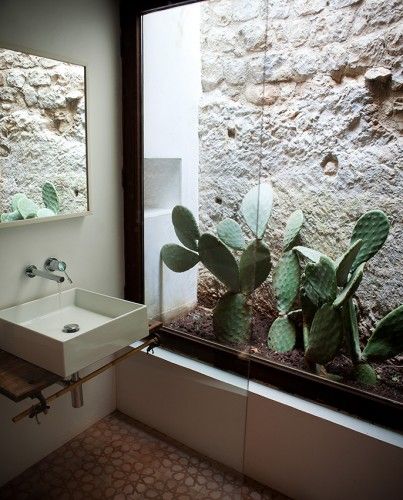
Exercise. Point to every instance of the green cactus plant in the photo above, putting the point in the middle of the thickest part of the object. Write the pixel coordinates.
(241, 273)
(282, 335)
(286, 281)
(50, 197)
(325, 293)
(24, 208)
(232, 318)
(185, 226)
(231, 234)
(292, 229)
(27, 208)
(177, 258)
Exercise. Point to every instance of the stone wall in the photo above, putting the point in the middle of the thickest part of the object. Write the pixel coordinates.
(333, 102)
(42, 130)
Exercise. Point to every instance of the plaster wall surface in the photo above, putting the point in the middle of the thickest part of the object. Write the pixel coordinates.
(172, 90)
(86, 31)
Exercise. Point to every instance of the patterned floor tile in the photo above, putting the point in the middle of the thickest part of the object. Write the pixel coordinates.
(121, 459)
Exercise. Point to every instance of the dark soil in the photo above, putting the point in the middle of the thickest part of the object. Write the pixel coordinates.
(198, 322)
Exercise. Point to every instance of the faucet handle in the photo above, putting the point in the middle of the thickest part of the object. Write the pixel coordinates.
(67, 276)
(53, 264)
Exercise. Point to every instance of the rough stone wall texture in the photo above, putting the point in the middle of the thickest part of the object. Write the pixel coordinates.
(42, 130)
(332, 123)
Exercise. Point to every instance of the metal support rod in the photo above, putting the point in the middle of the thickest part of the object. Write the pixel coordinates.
(151, 341)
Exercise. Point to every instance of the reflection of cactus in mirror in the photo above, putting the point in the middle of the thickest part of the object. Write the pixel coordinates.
(25, 208)
(240, 273)
(50, 197)
(325, 293)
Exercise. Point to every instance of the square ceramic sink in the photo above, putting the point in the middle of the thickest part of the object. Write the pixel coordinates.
(35, 331)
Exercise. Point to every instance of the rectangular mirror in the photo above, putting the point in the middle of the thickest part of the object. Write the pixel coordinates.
(43, 139)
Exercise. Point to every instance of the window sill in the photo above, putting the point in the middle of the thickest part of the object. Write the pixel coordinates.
(242, 386)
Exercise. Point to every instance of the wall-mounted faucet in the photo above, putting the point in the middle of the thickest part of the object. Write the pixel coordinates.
(32, 271)
(51, 264)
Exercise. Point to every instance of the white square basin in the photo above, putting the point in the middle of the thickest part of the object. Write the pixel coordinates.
(34, 330)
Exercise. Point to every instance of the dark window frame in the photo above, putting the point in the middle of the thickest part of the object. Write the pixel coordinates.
(362, 404)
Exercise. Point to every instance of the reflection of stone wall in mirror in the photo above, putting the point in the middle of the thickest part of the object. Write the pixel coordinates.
(42, 131)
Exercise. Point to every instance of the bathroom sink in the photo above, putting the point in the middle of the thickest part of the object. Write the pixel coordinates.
(44, 331)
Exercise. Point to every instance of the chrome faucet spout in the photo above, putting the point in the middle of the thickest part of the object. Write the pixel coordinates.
(32, 271)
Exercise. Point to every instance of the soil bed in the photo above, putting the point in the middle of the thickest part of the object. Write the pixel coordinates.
(198, 322)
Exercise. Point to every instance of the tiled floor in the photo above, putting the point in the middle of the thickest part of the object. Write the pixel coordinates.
(119, 458)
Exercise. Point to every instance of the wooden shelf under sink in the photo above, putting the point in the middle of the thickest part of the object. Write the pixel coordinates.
(20, 379)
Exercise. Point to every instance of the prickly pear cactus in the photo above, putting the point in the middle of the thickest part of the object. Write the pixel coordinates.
(15, 199)
(292, 229)
(319, 281)
(325, 335)
(11, 216)
(256, 208)
(282, 335)
(50, 197)
(45, 212)
(373, 229)
(254, 266)
(351, 287)
(230, 233)
(219, 261)
(364, 373)
(344, 263)
(27, 208)
(387, 339)
(309, 253)
(177, 258)
(186, 227)
(286, 281)
(232, 318)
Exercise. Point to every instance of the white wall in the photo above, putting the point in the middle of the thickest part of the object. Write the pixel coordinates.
(302, 449)
(86, 31)
(172, 89)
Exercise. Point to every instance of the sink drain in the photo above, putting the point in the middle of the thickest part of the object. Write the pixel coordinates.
(71, 328)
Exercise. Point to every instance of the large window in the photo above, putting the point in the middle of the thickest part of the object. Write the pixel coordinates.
(272, 191)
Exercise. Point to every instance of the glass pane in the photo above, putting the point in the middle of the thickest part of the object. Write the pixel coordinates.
(256, 122)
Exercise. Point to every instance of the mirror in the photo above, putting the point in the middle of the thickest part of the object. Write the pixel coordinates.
(43, 140)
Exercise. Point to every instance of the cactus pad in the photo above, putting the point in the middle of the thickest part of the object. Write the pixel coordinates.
(45, 212)
(292, 229)
(50, 197)
(387, 339)
(373, 229)
(319, 281)
(231, 234)
(350, 329)
(325, 335)
(177, 258)
(351, 287)
(344, 263)
(10, 216)
(308, 308)
(232, 318)
(219, 261)
(27, 208)
(15, 199)
(364, 373)
(286, 281)
(185, 226)
(281, 336)
(256, 208)
(309, 253)
(254, 266)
